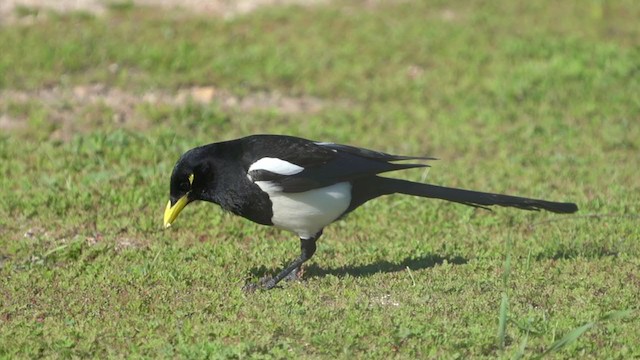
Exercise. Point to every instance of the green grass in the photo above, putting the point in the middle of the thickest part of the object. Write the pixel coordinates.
(537, 100)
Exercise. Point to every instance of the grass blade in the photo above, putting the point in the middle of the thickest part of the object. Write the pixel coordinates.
(572, 336)
(502, 317)
(413, 281)
(568, 339)
(523, 345)
(502, 322)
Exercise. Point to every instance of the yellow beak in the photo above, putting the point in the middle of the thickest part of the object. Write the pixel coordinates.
(171, 212)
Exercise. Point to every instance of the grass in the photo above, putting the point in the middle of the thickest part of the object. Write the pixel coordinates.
(531, 99)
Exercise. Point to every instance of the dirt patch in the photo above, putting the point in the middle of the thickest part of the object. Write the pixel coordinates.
(222, 8)
(71, 109)
(11, 123)
(122, 100)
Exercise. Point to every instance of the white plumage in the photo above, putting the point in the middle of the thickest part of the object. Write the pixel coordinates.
(276, 166)
(306, 213)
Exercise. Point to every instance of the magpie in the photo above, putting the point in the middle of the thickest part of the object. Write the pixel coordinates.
(302, 186)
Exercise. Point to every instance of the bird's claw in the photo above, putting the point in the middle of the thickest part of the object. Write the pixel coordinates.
(268, 282)
(250, 288)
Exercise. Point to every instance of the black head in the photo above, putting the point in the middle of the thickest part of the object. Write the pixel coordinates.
(192, 179)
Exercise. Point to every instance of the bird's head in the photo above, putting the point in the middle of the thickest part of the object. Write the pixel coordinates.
(190, 178)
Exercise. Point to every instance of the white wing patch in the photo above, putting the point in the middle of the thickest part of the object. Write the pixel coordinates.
(276, 166)
(306, 213)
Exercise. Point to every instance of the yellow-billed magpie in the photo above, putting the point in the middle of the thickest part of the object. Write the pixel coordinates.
(302, 186)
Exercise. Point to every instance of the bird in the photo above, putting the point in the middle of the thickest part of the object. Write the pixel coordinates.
(302, 186)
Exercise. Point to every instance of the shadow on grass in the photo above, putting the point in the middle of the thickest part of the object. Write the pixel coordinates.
(412, 263)
(572, 254)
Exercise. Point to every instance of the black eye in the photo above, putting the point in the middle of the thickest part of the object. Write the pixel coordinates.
(185, 186)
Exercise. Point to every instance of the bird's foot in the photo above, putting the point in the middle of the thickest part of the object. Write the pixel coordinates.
(265, 283)
(268, 282)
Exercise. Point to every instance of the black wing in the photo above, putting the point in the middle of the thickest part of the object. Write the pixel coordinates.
(371, 154)
(323, 164)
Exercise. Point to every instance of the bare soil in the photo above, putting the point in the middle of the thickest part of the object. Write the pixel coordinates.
(67, 106)
(224, 8)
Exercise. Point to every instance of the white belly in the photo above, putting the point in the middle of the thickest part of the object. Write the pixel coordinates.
(308, 212)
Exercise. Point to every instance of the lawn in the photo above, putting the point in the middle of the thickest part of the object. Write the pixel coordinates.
(537, 100)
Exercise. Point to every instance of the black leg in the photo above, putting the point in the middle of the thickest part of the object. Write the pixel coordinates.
(295, 274)
(307, 249)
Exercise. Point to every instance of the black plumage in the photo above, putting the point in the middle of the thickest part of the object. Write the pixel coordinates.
(302, 186)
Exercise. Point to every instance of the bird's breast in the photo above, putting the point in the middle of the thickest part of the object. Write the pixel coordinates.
(306, 213)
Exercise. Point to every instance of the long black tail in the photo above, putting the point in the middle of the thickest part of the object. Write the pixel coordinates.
(473, 198)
